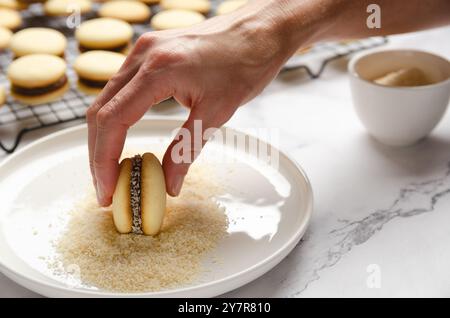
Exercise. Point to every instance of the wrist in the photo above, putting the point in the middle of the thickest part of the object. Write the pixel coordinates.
(300, 23)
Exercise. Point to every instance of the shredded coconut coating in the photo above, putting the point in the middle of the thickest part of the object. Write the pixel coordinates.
(193, 226)
(135, 194)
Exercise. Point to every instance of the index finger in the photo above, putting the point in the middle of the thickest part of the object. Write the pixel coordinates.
(113, 121)
(127, 71)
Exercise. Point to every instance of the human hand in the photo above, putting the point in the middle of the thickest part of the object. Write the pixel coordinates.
(212, 68)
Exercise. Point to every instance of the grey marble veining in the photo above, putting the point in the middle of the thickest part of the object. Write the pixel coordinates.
(425, 196)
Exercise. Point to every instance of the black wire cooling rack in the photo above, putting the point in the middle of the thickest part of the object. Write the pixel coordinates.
(314, 60)
(17, 119)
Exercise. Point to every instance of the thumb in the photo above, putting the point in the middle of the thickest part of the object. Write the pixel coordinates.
(184, 149)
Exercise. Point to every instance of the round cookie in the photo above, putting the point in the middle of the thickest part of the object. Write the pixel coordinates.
(95, 68)
(153, 194)
(104, 34)
(121, 207)
(149, 2)
(38, 41)
(10, 19)
(13, 4)
(28, 2)
(2, 96)
(67, 7)
(139, 200)
(202, 6)
(5, 38)
(230, 6)
(37, 78)
(174, 19)
(128, 10)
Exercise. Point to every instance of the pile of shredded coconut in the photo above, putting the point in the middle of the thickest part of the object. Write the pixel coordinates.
(193, 226)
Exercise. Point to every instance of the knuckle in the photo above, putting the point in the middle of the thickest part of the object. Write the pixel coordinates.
(145, 40)
(115, 79)
(106, 115)
(147, 69)
(163, 58)
(91, 113)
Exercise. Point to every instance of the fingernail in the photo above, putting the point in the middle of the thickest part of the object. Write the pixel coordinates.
(177, 184)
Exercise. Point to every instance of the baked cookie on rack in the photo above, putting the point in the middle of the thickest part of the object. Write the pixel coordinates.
(131, 11)
(2, 96)
(38, 41)
(38, 78)
(202, 6)
(5, 38)
(10, 19)
(95, 68)
(13, 4)
(174, 19)
(67, 7)
(230, 6)
(104, 34)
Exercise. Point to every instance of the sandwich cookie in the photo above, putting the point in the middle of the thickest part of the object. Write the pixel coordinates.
(13, 4)
(67, 7)
(28, 2)
(104, 34)
(95, 68)
(202, 6)
(2, 96)
(38, 41)
(10, 19)
(230, 6)
(38, 78)
(139, 200)
(174, 19)
(127, 10)
(150, 2)
(5, 38)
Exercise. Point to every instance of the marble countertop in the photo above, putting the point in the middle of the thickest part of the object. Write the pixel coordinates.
(381, 223)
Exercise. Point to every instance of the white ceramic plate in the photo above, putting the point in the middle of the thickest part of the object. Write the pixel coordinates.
(269, 210)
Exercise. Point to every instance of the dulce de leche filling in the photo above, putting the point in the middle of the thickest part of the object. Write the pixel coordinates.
(118, 49)
(36, 91)
(135, 194)
(92, 83)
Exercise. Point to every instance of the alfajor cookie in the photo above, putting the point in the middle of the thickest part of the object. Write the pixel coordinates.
(28, 2)
(37, 78)
(230, 6)
(5, 38)
(38, 41)
(149, 2)
(10, 19)
(174, 19)
(13, 4)
(104, 34)
(139, 200)
(67, 7)
(202, 6)
(128, 10)
(2, 96)
(95, 68)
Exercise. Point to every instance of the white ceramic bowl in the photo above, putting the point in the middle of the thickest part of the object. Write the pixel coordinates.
(399, 116)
